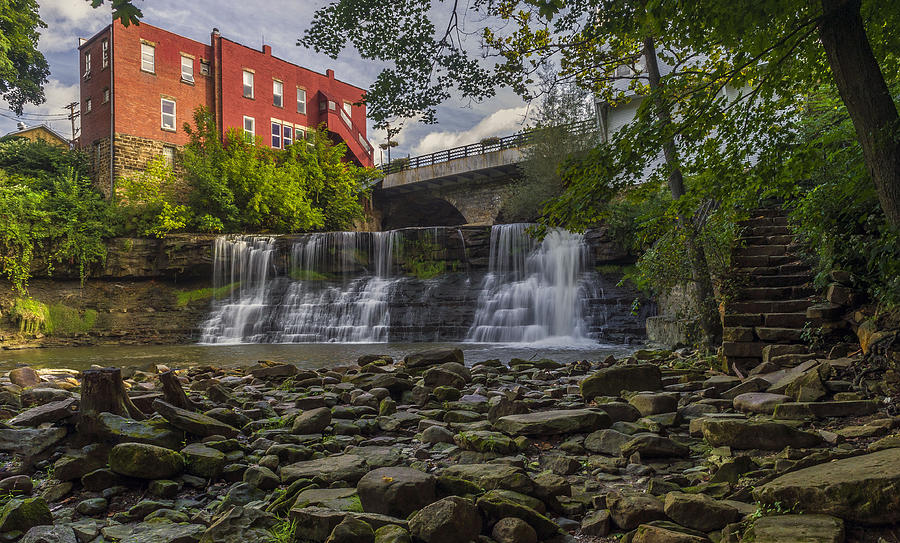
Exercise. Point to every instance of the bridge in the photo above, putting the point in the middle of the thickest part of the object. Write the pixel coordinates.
(463, 185)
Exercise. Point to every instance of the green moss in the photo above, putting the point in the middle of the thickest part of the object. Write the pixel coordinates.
(427, 269)
(65, 320)
(31, 316)
(309, 275)
(185, 297)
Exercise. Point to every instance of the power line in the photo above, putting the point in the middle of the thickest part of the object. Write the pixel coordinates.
(24, 115)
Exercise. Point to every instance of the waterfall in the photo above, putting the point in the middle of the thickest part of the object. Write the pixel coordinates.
(245, 265)
(533, 291)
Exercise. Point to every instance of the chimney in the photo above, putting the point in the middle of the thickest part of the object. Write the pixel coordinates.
(329, 73)
(267, 50)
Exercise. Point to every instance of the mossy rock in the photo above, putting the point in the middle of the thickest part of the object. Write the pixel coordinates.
(22, 515)
(496, 506)
(144, 461)
(485, 441)
(203, 461)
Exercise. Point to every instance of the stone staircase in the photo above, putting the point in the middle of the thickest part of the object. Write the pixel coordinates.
(764, 318)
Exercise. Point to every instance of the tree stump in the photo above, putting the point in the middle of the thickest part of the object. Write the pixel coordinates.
(103, 391)
(173, 391)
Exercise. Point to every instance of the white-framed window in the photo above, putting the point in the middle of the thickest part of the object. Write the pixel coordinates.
(277, 93)
(104, 47)
(276, 135)
(169, 155)
(167, 108)
(187, 69)
(148, 58)
(106, 95)
(301, 101)
(87, 64)
(87, 105)
(348, 108)
(249, 128)
(248, 84)
(287, 136)
(204, 67)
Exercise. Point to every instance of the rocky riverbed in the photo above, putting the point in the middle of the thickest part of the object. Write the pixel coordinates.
(656, 447)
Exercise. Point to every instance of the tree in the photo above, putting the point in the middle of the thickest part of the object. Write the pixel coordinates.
(773, 46)
(23, 69)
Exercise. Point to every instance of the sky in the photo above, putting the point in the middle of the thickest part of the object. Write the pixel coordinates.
(280, 24)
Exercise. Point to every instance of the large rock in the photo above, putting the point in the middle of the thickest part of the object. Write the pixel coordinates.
(433, 357)
(144, 461)
(313, 421)
(630, 511)
(699, 512)
(22, 515)
(203, 461)
(29, 442)
(352, 530)
(759, 402)
(740, 434)
(24, 377)
(153, 432)
(193, 423)
(652, 533)
(317, 523)
(239, 525)
(491, 476)
(497, 505)
(450, 520)
(651, 446)
(654, 403)
(486, 442)
(49, 534)
(396, 491)
(513, 530)
(161, 530)
(794, 528)
(860, 489)
(609, 442)
(612, 381)
(561, 421)
(49, 412)
(340, 467)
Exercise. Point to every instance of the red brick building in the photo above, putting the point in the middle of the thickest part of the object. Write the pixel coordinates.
(140, 84)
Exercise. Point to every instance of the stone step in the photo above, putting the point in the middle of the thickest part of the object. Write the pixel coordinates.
(743, 349)
(770, 249)
(773, 293)
(749, 241)
(786, 269)
(778, 335)
(760, 261)
(793, 280)
(774, 210)
(743, 319)
(757, 231)
(780, 306)
(786, 320)
(779, 220)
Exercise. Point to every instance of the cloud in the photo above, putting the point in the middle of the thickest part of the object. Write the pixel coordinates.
(58, 95)
(502, 122)
(68, 20)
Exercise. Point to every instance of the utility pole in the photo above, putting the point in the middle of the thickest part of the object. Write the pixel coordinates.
(72, 116)
(391, 132)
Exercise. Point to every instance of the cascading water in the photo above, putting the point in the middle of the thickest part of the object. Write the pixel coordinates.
(246, 265)
(533, 291)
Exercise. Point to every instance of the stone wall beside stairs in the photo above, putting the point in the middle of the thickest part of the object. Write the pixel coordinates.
(765, 316)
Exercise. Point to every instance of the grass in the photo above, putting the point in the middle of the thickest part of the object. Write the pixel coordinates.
(35, 317)
(308, 275)
(284, 531)
(185, 297)
(427, 269)
(31, 315)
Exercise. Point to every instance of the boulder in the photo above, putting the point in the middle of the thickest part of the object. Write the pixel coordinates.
(859, 489)
(159, 531)
(607, 442)
(396, 491)
(561, 421)
(450, 520)
(265, 369)
(261, 477)
(513, 530)
(654, 404)
(22, 515)
(144, 461)
(313, 421)
(649, 533)
(630, 511)
(203, 461)
(497, 505)
(596, 523)
(392, 534)
(651, 446)
(440, 377)
(739, 434)
(437, 434)
(339, 499)
(29, 442)
(50, 534)
(40, 396)
(491, 476)
(352, 530)
(792, 528)
(612, 381)
(49, 412)
(486, 442)
(341, 467)
(193, 423)
(153, 432)
(433, 357)
(699, 512)
(24, 377)
(239, 524)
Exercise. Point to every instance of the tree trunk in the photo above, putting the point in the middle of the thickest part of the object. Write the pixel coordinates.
(102, 391)
(707, 309)
(865, 93)
(173, 392)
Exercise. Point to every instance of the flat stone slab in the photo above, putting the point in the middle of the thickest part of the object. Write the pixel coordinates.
(49, 412)
(340, 467)
(562, 421)
(794, 528)
(28, 441)
(821, 410)
(759, 402)
(316, 523)
(193, 423)
(861, 489)
(770, 436)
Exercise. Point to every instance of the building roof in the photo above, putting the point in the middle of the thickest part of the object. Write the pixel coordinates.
(40, 127)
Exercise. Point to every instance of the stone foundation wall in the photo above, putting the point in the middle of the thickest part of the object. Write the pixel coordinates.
(133, 154)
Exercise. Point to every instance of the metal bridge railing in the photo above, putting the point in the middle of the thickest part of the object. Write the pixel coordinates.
(487, 145)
